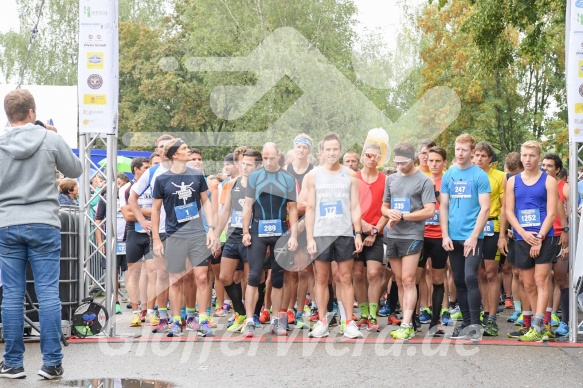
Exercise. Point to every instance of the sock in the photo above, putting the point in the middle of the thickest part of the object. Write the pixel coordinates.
(136, 311)
(537, 321)
(373, 310)
(342, 311)
(260, 299)
(547, 315)
(394, 297)
(203, 318)
(492, 318)
(227, 302)
(437, 301)
(330, 306)
(235, 292)
(527, 318)
(190, 312)
(150, 311)
(163, 313)
(517, 306)
(565, 305)
(250, 320)
(363, 310)
(177, 319)
(182, 311)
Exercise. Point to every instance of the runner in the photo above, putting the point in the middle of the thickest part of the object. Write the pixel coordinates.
(464, 210)
(491, 257)
(269, 198)
(371, 187)
(531, 206)
(183, 193)
(332, 212)
(409, 200)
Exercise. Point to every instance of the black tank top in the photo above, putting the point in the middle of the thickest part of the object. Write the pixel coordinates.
(235, 231)
(299, 177)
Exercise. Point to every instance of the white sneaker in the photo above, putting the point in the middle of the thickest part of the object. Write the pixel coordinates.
(321, 330)
(352, 331)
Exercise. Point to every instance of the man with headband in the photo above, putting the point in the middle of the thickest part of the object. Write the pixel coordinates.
(408, 201)
(183, 193)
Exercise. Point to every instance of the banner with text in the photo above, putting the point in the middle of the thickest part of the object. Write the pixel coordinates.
(98, 75)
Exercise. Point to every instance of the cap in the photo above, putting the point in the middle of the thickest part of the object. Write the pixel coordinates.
(230, 158)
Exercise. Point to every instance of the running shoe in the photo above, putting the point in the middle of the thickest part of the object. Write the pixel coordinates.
(532, 336)
(278, 328)
(238, 323)
(362, 322)
(300, 324)
(491, 329)
(226, 307)
(425, 317)
(256, 321)
(342, 327)
(446, 318)
(9, 372)
(351, 331)
(175, 330)
(458, 333)
(219, 312)
(518, 333)
(547, 332)
(264, 317)
(161, 327)
(191, 324)
(211, 322)
(385, 311)
(508, 303)
(143, 314)
(555, 320)
(404, 332)
(331, 319)
(204, 330)
(519, 321)
(291, 317)
(500, 308)
(474, 332)
(314, 316)
(249, 331)
(136, 321)
(299, 315)
(456, 315)
(320, 331)
(416, 323)
(117, 308)
(51, 372)
(562, 330)
(151, 320)
(513, 317)
(393, 320)
(373, 325)
(436, 331)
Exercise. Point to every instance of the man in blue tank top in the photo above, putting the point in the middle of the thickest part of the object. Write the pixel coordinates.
(531, 206)
(465, 208)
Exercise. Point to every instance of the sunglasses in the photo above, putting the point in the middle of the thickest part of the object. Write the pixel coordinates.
(402, 163)
(372, 156)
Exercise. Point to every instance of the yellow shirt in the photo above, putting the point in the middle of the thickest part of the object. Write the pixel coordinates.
(496, 178)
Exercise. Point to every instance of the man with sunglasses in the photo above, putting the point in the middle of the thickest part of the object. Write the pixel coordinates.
(409, 200)
(465, 208)
(371, 187)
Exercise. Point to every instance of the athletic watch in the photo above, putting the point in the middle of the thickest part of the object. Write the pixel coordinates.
(212, 227)
(359, 232)
(540, 236)
(375, 231)
(566, 229)
(402, 216)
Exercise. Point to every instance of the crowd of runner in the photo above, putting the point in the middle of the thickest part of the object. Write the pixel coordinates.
(305, 238)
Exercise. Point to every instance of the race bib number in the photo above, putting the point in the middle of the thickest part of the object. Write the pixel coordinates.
(402, 204)
(120, 248)
(489, 228)
(186, 212)
(461, 189)
(270, 228)
(237, 219)
(433, 220)
(529, 217)
(138, 228)
(331, 209)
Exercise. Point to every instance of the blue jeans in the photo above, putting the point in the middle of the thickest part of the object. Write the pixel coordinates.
(41, 245)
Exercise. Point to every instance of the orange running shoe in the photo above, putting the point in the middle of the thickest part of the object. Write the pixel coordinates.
(393, 320)
(291, 317)
(508, 303)
(265, 317)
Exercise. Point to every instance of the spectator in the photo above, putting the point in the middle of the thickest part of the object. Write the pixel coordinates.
(69, 192)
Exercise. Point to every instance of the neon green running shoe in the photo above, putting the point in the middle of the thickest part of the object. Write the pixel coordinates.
(238, 323)
(457, 316)
(532, 336)
(555, 320)
(403, 332)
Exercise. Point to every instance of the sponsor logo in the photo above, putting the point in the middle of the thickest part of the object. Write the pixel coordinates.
(581, 90)
(579, 18)
(100, 99)
(581, 69)
(579, 4)
(578, 121)
(95, 60)
(94, 81)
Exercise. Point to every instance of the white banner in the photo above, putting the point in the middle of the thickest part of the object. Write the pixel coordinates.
(574, 70)
(98, 76)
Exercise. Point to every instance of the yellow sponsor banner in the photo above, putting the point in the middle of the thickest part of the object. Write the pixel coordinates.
(96, 99)
(95, 60)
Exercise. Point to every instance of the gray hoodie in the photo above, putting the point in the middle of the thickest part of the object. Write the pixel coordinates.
(28, 190)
